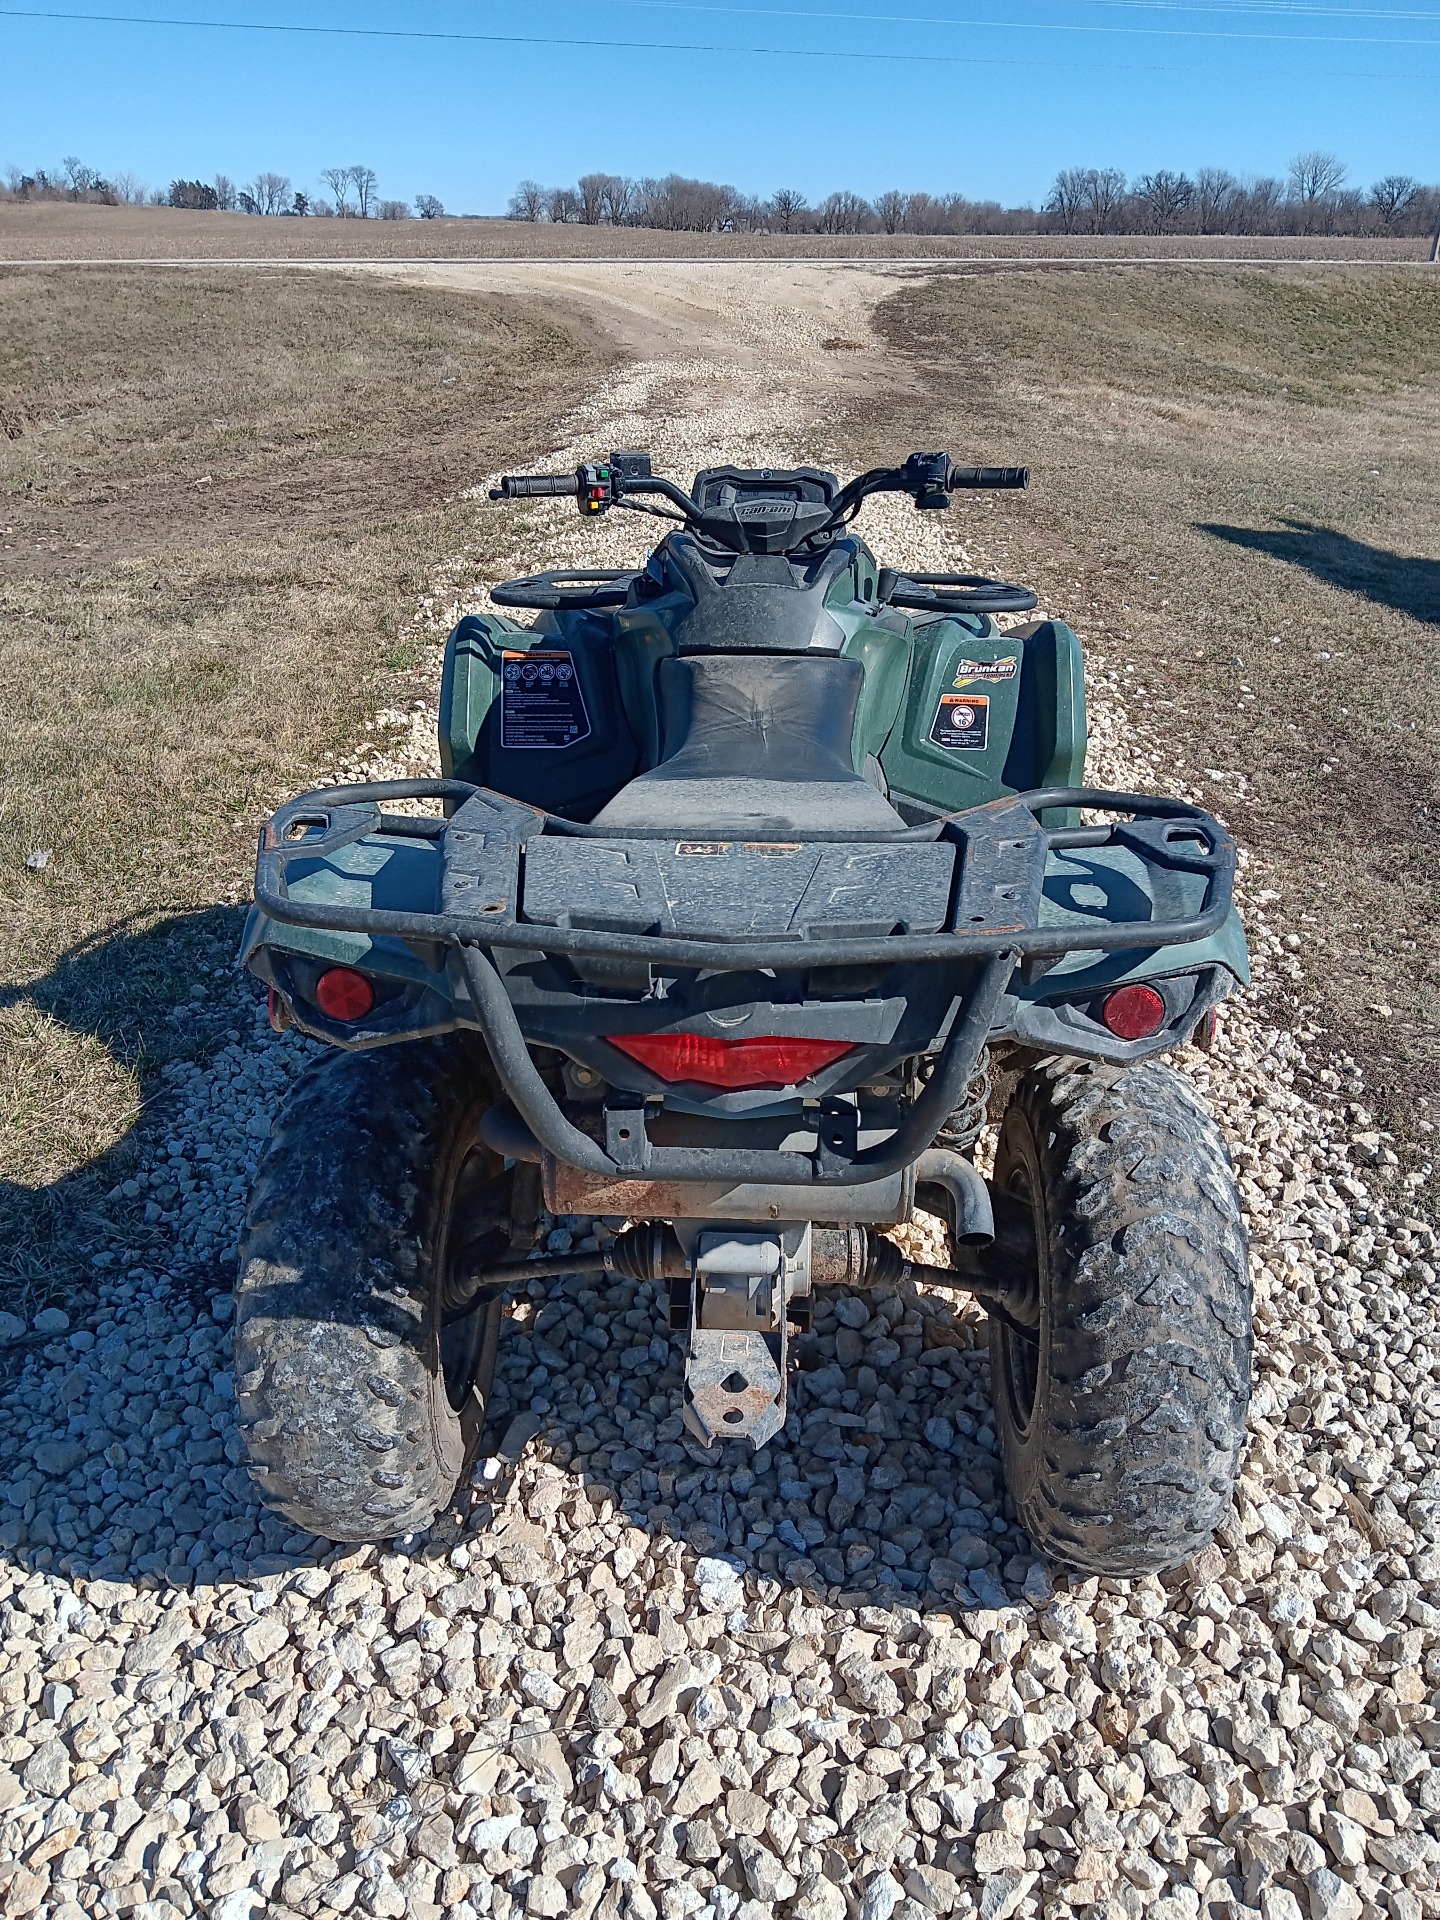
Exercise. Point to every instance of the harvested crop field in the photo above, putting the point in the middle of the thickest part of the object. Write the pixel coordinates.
(827, 1681)
(53, 230)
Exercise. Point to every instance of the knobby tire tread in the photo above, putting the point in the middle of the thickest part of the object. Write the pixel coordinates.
(1129, 1459)
(341, 1393)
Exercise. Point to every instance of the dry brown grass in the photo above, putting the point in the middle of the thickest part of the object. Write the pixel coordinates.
(222, 496)
(55, 230)
(1237, 495)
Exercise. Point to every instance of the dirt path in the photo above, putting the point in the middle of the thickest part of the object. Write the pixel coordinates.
(703, 334)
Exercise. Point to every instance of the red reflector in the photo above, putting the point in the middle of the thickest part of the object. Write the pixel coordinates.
(773, 1061)
(1133, 1013)
(344, 994)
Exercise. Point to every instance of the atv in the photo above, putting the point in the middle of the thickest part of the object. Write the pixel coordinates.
(758, 880)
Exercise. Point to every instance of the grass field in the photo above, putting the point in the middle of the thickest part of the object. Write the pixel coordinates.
(220, 496)
(1236, 497)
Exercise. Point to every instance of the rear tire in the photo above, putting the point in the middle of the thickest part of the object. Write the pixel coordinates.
(1121, 1424)
(361, 1409)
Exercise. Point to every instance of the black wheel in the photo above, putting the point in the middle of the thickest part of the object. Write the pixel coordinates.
(1121, 1416)
(361, 1401)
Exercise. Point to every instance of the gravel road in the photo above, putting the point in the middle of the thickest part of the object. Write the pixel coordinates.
(829, 1680)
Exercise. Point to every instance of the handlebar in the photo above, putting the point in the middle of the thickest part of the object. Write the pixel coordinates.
(1000, 478)
(929, 479)
(536, 486)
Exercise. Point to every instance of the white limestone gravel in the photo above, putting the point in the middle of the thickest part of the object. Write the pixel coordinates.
(830, 1680)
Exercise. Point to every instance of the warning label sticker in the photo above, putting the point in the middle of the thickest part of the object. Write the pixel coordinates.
(541, 704)
(967, 671)
(962, 722)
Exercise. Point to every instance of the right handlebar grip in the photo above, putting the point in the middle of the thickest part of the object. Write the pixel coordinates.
(535, 486)
(1000, 477)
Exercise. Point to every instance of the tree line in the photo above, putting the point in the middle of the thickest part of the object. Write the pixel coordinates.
(354, 193)
(1313, 198)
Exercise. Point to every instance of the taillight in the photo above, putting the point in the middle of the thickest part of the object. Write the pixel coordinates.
(736, 1065)
(343, 994)
(1133, 1013)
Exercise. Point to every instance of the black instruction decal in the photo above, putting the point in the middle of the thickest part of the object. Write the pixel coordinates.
(962, 722)
(541, 704)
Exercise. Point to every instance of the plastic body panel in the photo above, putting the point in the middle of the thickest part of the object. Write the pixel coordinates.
(1024, 693)
(574, 779)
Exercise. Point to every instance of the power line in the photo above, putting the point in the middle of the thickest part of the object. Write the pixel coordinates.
(868, 57)
(1036, 26)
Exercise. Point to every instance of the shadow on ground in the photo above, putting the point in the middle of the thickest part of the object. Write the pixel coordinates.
(133, 1470)
(147, 990)
(120, 1457)
(1406, 583)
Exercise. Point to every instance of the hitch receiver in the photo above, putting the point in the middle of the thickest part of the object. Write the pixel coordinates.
(735, 1370)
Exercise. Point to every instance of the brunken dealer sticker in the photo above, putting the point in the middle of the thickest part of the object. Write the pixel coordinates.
(962, 722)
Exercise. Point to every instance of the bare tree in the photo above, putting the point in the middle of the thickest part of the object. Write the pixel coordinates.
(129, 189)
(1067, 197)
(617, 200)
(267, 193)
(337, 179)
(749, 214)
(843, 212)
(1315, 180)
(1393, 197)
(394, 209)
(563, 205)
(1258, 205)
(788, 209)
(1164, 196)
(527, 202)
(428, 207)
(224, 193)
(1104, 195)
(365, 184)
(299, 205)
(1216, 189)
(680, 205)
(891, 208)
(590, 194)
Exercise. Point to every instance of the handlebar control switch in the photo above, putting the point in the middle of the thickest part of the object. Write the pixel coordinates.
(927, 477)
(596, 490)
(631, 466)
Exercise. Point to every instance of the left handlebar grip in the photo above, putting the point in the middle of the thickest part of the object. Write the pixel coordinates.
(535, 486)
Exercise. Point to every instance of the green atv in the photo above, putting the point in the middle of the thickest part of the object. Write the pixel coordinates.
(759, 867)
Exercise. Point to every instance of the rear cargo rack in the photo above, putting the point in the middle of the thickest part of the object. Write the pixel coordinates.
(1000, 858)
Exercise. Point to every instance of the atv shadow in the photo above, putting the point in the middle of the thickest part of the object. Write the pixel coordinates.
(859, 1516)
(1406, 583)
(144, 988)
(857, 1500)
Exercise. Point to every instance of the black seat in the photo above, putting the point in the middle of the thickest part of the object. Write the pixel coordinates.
(754, 744)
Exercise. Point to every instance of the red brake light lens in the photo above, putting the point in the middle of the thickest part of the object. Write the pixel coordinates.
(1133, 1013)
(735, 1065)
(343, 994)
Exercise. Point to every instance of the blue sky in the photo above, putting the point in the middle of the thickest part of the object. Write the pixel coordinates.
(987, 97)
